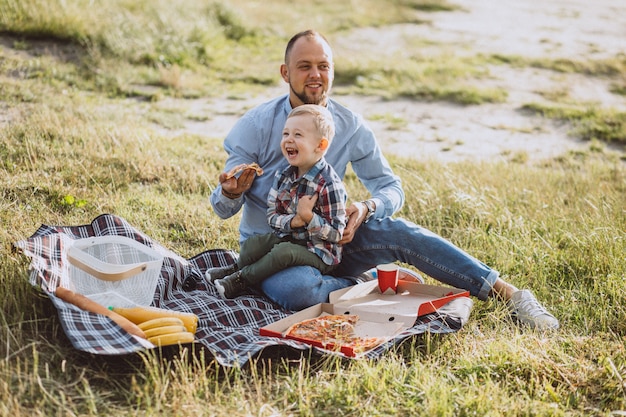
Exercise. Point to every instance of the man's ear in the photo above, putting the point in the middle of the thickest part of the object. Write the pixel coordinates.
(284, 72)
(323, 144)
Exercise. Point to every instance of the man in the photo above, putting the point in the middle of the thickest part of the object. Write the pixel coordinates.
(371, 235)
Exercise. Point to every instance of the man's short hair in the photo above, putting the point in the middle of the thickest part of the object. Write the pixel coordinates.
(309, 33)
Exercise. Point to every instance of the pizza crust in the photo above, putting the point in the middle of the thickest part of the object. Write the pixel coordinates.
(242, 167)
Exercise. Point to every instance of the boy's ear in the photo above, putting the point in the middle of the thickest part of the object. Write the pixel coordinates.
(323, 144)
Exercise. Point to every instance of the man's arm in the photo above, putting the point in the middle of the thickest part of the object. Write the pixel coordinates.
(355, 144)
(227, 198)
(374, 171)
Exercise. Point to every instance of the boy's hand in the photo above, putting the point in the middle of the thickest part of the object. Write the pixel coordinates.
(304, 210)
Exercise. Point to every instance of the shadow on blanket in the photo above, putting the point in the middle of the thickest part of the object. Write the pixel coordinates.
(229, 329)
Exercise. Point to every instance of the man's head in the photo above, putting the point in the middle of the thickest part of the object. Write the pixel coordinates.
(308, 68)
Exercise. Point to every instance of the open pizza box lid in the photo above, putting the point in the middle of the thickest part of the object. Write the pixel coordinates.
(380, 315)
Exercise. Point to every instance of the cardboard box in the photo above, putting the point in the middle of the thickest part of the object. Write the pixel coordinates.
(380, 315)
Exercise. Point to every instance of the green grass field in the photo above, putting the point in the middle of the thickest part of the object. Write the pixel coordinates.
(78, 80)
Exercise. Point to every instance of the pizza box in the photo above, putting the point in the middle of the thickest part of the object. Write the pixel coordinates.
(380, 315)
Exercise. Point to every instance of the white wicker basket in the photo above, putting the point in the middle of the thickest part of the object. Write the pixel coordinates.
(114, 270)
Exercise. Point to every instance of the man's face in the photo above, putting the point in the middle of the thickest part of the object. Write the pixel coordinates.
(309, 72)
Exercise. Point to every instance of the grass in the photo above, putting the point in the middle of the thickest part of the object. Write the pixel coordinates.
(73, 146)
(590, 123)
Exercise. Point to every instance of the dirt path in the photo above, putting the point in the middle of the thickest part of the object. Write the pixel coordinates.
(574, 29)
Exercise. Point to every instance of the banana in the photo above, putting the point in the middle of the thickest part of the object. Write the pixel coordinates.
(142, 314)
(158, 331)
(160, 322)
(172, 339)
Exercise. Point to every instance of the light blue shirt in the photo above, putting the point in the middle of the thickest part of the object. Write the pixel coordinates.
(256, 138)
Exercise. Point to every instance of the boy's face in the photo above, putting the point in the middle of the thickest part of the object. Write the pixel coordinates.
(301, 143)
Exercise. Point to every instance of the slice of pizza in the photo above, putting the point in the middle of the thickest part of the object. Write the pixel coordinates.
(242, 167)
(333, 332)
(327, 328)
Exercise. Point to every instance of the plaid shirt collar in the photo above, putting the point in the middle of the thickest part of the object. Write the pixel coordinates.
(310, 174)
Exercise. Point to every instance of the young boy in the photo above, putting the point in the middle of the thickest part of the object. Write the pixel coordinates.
(306, 209)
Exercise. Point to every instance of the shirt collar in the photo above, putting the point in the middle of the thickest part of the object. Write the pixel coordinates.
(288, 108)
(311, 173)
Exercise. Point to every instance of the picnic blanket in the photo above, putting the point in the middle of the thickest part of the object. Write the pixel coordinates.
(229, 329)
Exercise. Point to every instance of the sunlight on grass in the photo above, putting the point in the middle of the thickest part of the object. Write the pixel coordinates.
(528, 221)
(590, 122)
(444, 78)
(86, 128)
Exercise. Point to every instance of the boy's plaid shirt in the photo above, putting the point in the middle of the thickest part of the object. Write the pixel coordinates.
(325, 230)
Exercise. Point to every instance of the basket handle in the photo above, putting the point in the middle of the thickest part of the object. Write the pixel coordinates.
(107, 276)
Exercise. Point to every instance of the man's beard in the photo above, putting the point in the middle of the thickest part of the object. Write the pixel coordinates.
(306, 99)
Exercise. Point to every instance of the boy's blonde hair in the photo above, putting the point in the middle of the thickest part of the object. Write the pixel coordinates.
(322, 119)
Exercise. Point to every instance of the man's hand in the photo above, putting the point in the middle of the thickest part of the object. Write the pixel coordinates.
(356, 214)
(233, 187)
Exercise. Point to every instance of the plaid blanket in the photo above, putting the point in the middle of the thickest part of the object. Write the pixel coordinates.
(229, 329)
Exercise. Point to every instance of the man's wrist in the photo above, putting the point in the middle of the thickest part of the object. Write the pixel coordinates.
(232, 196)
(370, 206)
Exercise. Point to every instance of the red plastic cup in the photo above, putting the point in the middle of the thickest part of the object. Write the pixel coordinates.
(387, 278)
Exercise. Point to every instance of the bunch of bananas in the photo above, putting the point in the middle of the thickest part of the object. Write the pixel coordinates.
(162, 327)
(165, 331)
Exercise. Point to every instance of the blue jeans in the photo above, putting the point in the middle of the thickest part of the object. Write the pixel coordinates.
(382, 241)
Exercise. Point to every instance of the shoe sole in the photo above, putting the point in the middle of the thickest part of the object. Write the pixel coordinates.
(220, 289)
(408, 275)
(522, 323)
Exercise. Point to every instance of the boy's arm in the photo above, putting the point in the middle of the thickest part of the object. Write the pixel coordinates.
(278, 222)
(328, 223)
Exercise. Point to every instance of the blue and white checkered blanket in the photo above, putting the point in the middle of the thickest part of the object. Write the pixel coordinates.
(229, 329)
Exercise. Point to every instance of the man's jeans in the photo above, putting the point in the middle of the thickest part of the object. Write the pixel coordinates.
(382, 241)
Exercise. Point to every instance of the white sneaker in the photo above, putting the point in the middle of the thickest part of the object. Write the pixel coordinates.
(525, 309)
(409, 275)
(369, 275)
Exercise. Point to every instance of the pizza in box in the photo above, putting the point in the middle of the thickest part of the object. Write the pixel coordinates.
(334, 332)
